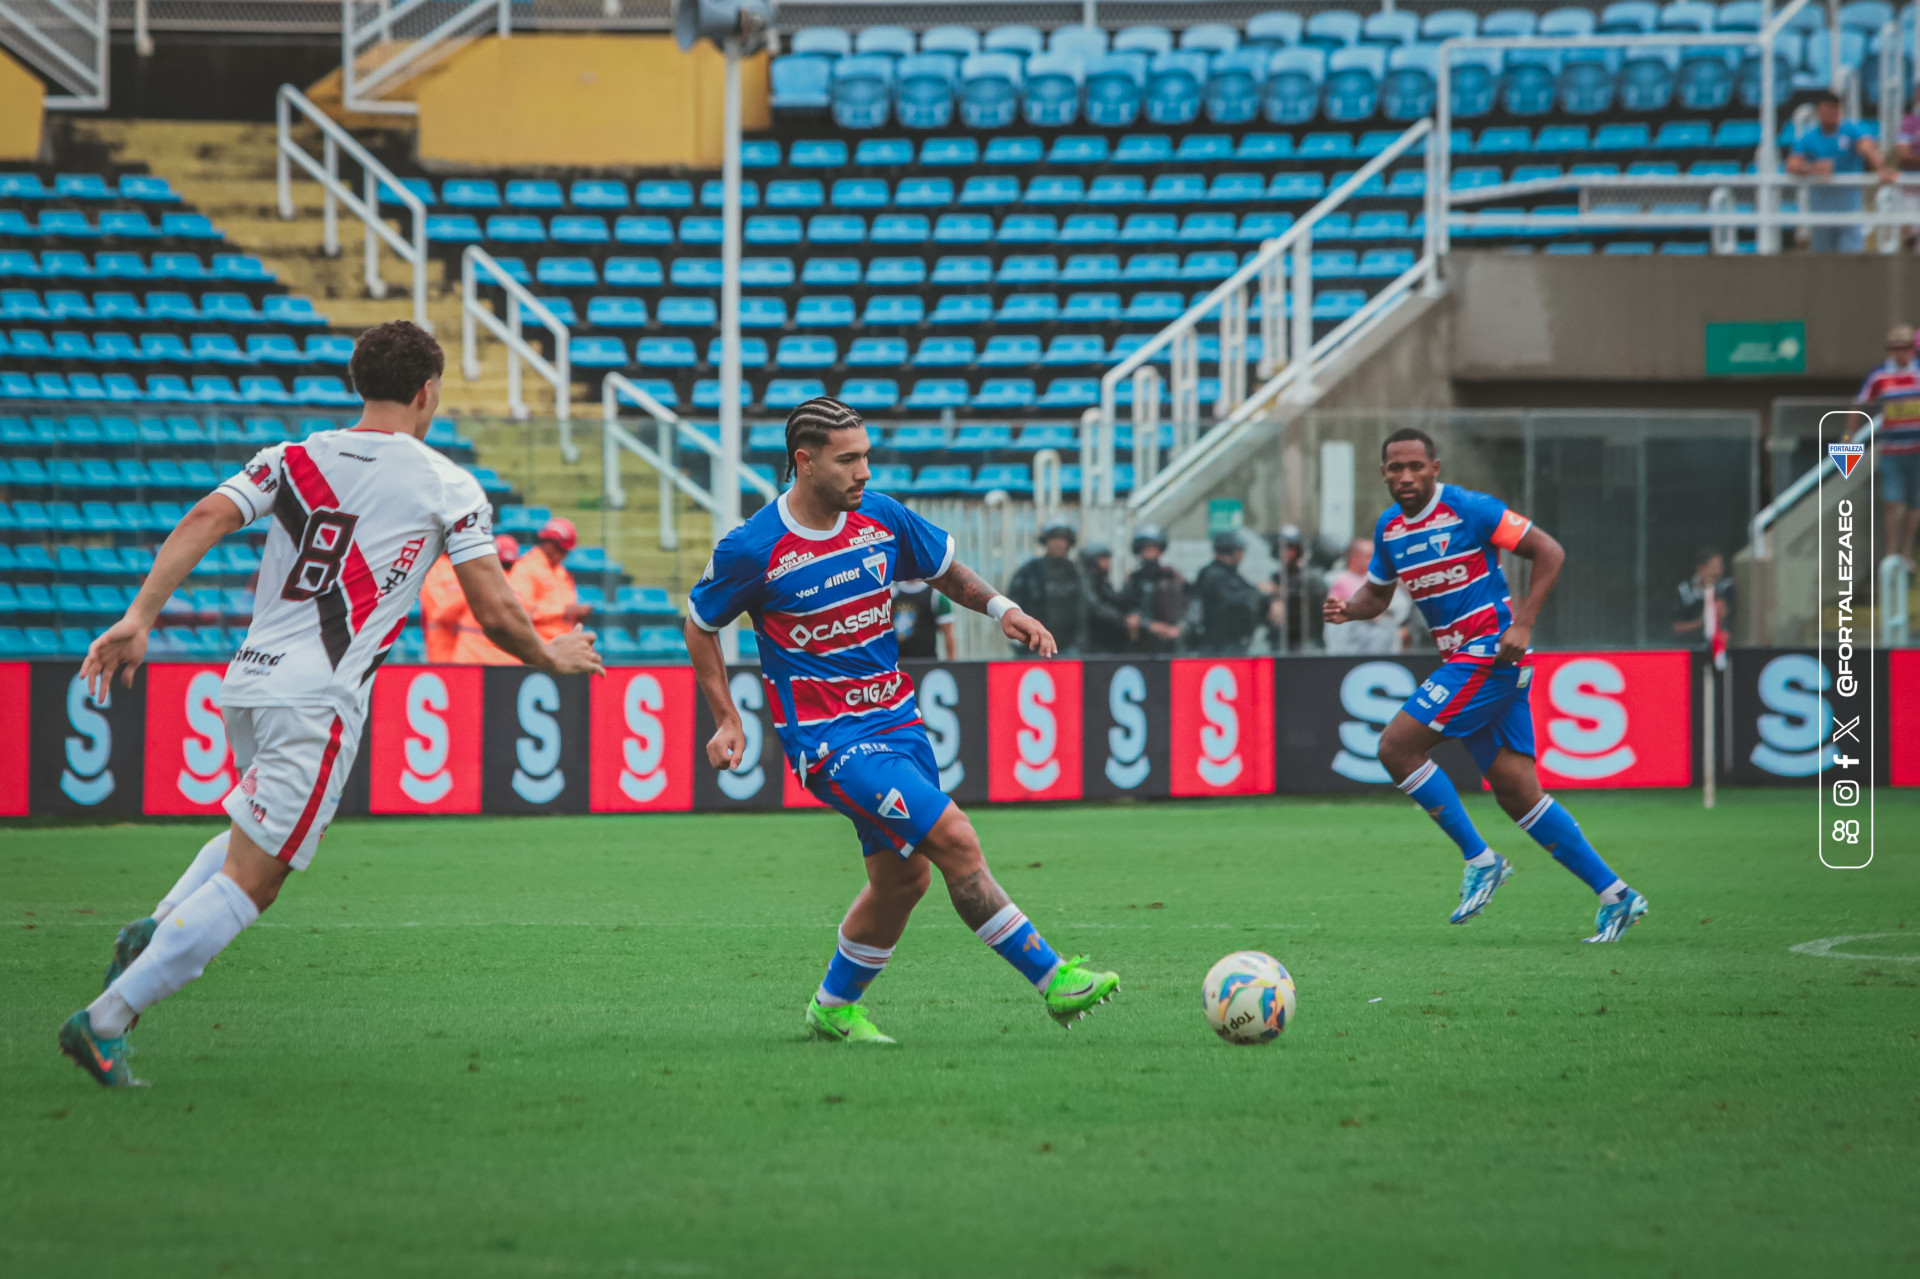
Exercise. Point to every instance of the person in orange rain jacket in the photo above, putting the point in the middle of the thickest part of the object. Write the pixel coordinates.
(452, 633)
(545, 588)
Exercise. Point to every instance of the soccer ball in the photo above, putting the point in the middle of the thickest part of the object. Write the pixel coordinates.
(1248, 997)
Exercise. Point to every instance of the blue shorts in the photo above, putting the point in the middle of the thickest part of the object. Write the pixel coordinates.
(1479, 700)
(1899, 476)
(889, 789)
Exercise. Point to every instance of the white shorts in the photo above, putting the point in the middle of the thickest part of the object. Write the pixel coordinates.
(293, 763)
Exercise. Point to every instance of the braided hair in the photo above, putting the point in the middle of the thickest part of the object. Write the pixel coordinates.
(812, 424)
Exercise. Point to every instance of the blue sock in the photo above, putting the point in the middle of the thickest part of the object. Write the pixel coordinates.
(1014, 937)
(850, 971)
(1430, 788)
(1554, 829)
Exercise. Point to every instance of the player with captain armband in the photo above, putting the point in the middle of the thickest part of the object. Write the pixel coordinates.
(813, 571)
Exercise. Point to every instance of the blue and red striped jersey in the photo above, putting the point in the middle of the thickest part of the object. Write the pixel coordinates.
(821, 603)
(1448, 558)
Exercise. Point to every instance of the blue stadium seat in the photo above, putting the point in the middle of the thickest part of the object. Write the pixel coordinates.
(1585, 85)
(839, 273)
(1029, 308)
(667, 353)
(944, 353)
(1150, 228)
(796, 352)
(569, 273)
(952, 152)
(859, 193)
(597, 352)
(762, 229)
(924, 193)
(924, 90)
(534, 193)
(515, 228)
(871, 395)
(1352, 88)
(962, 269)
(1409, 90)
(753, 353)
(1647, 76)
(963, 228)
(1234, 86)
(642, 229)
(862, 92)
(989, 90)
(1528, 82)
(962, 308)
(1297, 185)
(1157, 308)
(990, 190)
(1092, 308)
(1621, 137)
(1174, 82)
(634, 273)
(1055, 189)
(1021, 42)
(713, 194)
(663, 193)
(899, 228)
(896, 272)
(1268, 32)
(688, 312)
(1332, 29)
(1088, 228)
(1115, 85)
(801, 82)
(1178, 188)
(1010, 350)
(894, 309)
(1117, 188)
(823, 153)
(1706, 79)
(595, 193)
(1028, 269)
(1027, 228)
(836, 228)
(1150, 40)
(883, 152)
(937, 393)
(824, 311)
(872, 352)
(1050, 93)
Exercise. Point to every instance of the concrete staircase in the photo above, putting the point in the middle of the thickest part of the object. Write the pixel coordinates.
(227, 171)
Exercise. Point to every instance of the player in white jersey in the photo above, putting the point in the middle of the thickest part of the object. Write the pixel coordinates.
(359, 516)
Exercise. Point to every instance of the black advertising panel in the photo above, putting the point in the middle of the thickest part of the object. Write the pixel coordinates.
(953, 702)
(533, 756)
(757, 782)
(1784, 731)
(1124, 737)
(356, 795)
(88, 756)
(1329, 713)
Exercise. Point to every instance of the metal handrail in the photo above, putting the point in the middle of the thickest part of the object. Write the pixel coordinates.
(558, 371)
(90, 85)
(1789, 497)
(667, 427)
(1297, 240)
(375, 175)
(356, 87)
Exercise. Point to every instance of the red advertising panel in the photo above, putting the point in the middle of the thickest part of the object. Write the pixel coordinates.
(425, 752)
(1033, 731)
(643, 748)
(16, 742)
(1613, 719)
(189, 763)
(1222, 726)
(1903, 718)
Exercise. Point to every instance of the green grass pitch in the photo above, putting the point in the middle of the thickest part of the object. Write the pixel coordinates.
(562, 1047)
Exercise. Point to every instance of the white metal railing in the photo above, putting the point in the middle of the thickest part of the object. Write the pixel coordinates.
(366, 206)
(385, 43)
(1289, 353)
(1892, 602)
(1795, 493)
(475, 262)
(65, 40)
(669, 431)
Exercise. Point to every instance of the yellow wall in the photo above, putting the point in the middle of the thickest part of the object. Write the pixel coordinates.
(583, 100)
(23, 110)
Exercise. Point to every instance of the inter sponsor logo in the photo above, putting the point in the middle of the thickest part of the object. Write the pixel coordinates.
(840, 579)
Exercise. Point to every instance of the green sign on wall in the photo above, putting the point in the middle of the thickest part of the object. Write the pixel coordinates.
(1748, 350)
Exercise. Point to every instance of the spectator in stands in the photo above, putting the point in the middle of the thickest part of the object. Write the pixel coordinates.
(1836, 148)
(1231, 607)
(1906, 157)
(1052, 590)
(1894, 388)
(922, 618)
(1301, 589)
(452, 633)
(545, 588)
(1155, 595)
(1690, 614)
(1108, 628)
(1386, 633)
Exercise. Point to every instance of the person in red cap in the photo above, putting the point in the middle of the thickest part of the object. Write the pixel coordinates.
(545, 588)
(453, 635)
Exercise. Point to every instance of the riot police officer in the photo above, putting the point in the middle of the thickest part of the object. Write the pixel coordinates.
(1052, 589)
(1155, 596)
(1231, 607)
(1107, 629)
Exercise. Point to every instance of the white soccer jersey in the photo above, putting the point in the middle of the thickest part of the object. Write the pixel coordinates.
(358, 518)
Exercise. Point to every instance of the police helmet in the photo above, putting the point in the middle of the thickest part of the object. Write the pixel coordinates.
(1052, 531)
(1227, 541)
(1149, 535)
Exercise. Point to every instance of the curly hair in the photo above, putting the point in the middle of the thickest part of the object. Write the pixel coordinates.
(392, 361)
(812, 424)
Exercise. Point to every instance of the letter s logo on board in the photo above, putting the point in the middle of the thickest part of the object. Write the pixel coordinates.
(1583, 693)
(645, 750)
(1372, 694)
(207, 778)
(1220, 762)
(939, 696)
(750, 695)
(426, 778)
(1799, 718)
(538, 778)
(1127, 762)
(1039, 735)
(86, 779)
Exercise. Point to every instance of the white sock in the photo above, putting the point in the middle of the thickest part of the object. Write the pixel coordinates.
(196, 930)
(1487, 857)
(854, 960)
(1614, 893)
(211, 857)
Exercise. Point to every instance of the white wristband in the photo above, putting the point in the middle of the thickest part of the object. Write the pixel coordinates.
(999, 606)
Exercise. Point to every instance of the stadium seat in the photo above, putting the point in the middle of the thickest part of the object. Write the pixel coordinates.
(1291, 95)
(896, 272)
(1114, 86)
(963, 269)
(824, 153)
(1050, 92)
(924, 90)
(989, 90)
(862, 91)
(1174, 83)
(1149, 40)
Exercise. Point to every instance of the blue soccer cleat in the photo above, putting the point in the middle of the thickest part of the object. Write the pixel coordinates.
(1612, 921)
(104, 1059)
(1478, 886)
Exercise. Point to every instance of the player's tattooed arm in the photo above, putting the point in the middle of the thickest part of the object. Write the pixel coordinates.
(969, 590)
(727, 748)
(1544, 556)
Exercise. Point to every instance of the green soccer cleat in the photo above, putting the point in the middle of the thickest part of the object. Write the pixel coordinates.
(104, 1059)
(1075, 991)
(128, 946)
(847, 1024)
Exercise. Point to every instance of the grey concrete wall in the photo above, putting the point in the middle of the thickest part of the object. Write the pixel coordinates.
(1570, 319)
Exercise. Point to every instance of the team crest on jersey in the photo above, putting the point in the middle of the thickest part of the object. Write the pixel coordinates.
(894, 806)
(1846, 457)
(1439, 542)
(876, 564)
